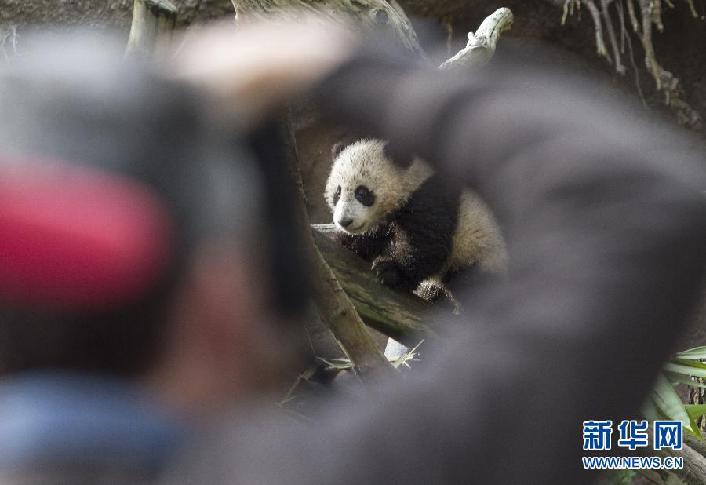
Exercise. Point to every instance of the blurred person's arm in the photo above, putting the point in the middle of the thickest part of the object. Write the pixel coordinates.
(605, 222)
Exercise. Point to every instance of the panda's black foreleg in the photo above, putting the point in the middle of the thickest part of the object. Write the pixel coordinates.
(391, 273)
(413, 256)
(367, 246)
(421, 236)
(404, 274)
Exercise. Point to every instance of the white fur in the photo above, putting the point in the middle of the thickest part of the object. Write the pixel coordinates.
(364, 163)
(477, 238)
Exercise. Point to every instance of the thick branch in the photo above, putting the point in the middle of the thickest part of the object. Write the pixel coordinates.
(694, 471)
(339, 313)
(396, 314)
(481, 44)
(332, 303)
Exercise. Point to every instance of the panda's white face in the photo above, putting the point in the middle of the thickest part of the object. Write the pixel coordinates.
(365, 187)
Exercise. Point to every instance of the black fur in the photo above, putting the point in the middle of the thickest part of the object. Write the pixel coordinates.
(401, 158)
(417, 239)
(367, 246)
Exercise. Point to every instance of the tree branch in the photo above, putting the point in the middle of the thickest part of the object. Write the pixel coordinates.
(332, 303)
(694, 471)
(481, 44)
(367, 14)
(153, 22)
(642, 23)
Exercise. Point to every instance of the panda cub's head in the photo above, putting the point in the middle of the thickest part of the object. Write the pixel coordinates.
(367, 184)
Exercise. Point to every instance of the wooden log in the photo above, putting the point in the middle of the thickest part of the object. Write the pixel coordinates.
(333, 304)
(396, 314)
(694, 471)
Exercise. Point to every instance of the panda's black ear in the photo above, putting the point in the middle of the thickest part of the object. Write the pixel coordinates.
(336, 150)
(400, 158)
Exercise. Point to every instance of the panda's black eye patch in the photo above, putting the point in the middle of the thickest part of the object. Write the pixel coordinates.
(337, 195)
(364, 196)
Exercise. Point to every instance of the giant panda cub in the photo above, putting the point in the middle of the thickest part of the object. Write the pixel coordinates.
(418, 230)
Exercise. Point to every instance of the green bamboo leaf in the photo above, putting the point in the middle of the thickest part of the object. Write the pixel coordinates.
(685, 370)
(698, 353)
(695, 429)
(695, 411)
(696, 364)
(650, 411)
(682, 379)
(669, 403)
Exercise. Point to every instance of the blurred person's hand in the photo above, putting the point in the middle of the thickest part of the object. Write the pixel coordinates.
(253, 67)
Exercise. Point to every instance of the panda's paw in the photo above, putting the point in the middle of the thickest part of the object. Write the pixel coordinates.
(391, 274)
(432, 291)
